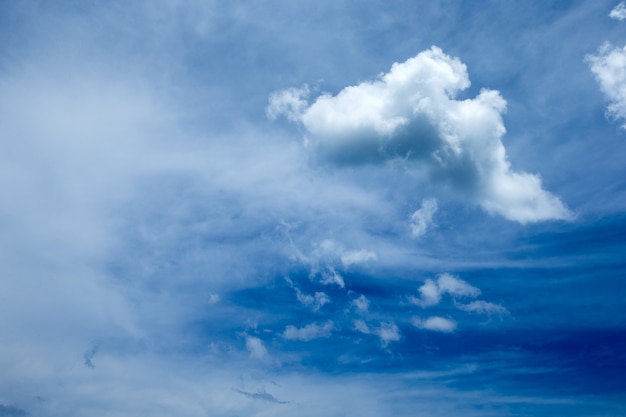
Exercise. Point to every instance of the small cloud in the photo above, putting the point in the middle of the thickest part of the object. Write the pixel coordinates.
(316, 301)
(214, 298)
(361, 326)
(618, 12)
(353, 257)
(435, 324)
(388, 332)
(331, 276)
(431, 291)
(290, 103)
(456, 287)
(482, 307)
(262, 395)
(430, 295)
(256, 347)
(308, 332)
(361, 304)
(609, 68)
(422, 218)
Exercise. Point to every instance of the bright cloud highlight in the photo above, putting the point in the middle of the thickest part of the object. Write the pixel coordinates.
(411, 113)
(609, 68)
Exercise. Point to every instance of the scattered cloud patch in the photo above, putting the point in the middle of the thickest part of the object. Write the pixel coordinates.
(331, 277)
(361, 304)
(482, 307)
(361, 326)
(309, 332)
(618, 12)
(214, 298)
(289, 103)
(431, 292)
(388, 332)
(411, 113)
(435, 323)
(352, 257)
(316, 301)
(422, 218)
(609, 69)
(256, 347)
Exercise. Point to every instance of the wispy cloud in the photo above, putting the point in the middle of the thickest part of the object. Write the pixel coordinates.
(422, 218)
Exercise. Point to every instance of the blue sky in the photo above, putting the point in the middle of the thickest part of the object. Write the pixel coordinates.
(329, 208)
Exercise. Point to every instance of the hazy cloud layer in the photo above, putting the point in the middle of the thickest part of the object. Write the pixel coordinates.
(411, 113)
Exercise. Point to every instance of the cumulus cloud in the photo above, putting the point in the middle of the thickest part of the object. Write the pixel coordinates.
(618, 12)
(609, 68)
(256, 347)
(431, 291)
(482, 307)
(308, 332)
(411, 113)
(435, 323)
(422, 218)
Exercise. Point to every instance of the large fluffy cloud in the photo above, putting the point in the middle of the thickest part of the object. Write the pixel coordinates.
(411, 113)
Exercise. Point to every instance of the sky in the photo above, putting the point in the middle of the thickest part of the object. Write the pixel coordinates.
(313, 208)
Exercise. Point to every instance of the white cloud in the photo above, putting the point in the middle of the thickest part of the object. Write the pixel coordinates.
(618, 12)
(388, 332)
(482, 307)
(361, 304)
(290, 102)
(456, 287)
(422, 218)
(609, 68)
(330, 277)
(308, 332)
(317, 301)
(435, 323)
(256, 347)
(431, 291)
(430, 294)
(359, 256)
(361, 326)
(411, 113)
